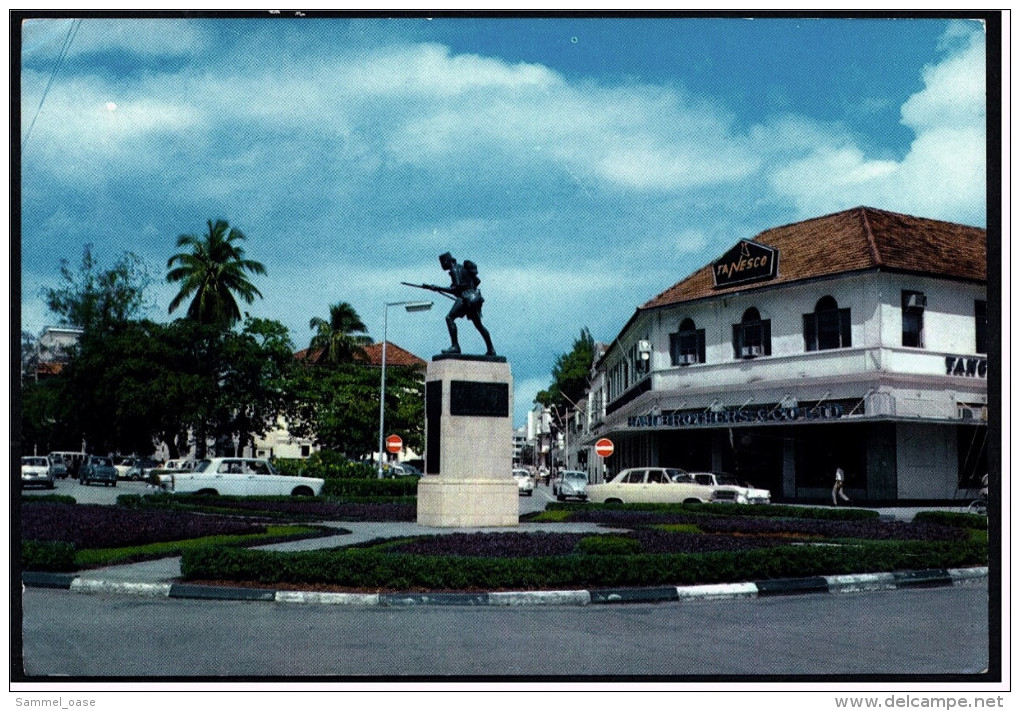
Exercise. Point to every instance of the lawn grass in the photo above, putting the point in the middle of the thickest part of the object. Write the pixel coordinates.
(92, 557)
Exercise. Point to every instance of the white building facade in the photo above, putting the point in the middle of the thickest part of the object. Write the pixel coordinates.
(856, 340)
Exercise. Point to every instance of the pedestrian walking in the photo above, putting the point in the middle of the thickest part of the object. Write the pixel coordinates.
(837, 488)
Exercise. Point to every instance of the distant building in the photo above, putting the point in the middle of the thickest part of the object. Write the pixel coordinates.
(52, 349)
(856, 340)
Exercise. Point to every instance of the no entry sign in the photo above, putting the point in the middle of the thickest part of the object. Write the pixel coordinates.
(394, 444)
(604, 447)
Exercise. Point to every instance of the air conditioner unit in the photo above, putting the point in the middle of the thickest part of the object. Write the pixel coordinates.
(750, 351)
(916, 301)
(688, 359)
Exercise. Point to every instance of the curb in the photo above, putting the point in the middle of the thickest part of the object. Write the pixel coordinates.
(613, 596)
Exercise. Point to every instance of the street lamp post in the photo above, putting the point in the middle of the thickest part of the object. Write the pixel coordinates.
(410, 306)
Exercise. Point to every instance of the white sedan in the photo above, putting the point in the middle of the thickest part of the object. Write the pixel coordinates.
(36, 471)
(239, 476)
(650, 485)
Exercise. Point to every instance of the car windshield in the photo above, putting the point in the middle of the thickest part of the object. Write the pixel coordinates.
(201, 465)
(520, 475)
(727, 480)
(575, 475)
(34, 461)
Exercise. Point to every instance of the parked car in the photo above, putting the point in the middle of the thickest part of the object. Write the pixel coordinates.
(402, 469)
(178, 465)
(99, 469)
(72, 462)
(36, 471)
(570, 484)
(122, 464)
(525, 484)
(729, 490)
(140, 468)
(58, 465)
(650, 485)
(238, 476)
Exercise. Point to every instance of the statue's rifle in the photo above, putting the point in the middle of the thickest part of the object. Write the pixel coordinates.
(431, 287)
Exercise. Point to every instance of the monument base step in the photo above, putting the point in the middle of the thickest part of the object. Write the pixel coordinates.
(466, 503)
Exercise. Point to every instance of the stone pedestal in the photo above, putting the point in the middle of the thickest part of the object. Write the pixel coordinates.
(468, 478)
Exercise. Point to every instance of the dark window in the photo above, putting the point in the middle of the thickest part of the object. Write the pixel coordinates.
(687, 346)
(913, 303)
(828, 327)
(752, 337)
(981, 326)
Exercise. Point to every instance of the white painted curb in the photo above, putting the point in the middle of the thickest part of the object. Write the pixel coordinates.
(546, 597)
(717, 592)
(107, 586)
(326, 598)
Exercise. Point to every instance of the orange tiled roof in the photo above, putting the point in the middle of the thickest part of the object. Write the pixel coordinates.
(853, 240)
(395, 355)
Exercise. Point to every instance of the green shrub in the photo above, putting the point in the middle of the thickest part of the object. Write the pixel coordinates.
(729, 510)
(608, 545)
(953, 518)
(49, 499)
(373, 568)
(360, 488)
(326, 465)
(51, 556)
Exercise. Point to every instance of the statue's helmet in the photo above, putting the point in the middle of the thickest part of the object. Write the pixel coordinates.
(445, 258)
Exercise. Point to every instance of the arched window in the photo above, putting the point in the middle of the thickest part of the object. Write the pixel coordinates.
(827, 327)
(687, 345)
(752, 337)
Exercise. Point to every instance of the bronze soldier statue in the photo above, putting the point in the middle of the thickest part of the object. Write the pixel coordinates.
(467, 300)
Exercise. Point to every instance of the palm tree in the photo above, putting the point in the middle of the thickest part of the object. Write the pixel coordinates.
(337, 339)
(213, 271)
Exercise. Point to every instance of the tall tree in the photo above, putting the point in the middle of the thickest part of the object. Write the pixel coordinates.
(339, 339)
(212, 273)
(99, 300)
(570, 374)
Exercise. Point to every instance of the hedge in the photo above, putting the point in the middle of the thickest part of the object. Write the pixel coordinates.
(375, 568)
(48, 556)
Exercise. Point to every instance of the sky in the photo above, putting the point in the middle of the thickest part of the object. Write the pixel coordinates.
(585, 164)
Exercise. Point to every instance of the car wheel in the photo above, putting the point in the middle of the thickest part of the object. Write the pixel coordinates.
(614, 501)
(207, 492)
(113, 483)
(560, 497)
(302, 491)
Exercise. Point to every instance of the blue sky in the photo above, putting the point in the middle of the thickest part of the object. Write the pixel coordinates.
(585, 164)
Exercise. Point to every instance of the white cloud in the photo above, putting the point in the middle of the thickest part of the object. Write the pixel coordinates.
(942, 174)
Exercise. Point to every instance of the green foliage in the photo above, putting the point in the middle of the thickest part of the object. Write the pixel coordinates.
(339, 406)
(48, 499)
(952, 518)
(50, 556)
(570, 374)
(608, 545)
(401, 487)
(212, 270)
(109, 556)
(337, 339)
(97, 300)
(374, 568)
(326, 464)
(729, 510)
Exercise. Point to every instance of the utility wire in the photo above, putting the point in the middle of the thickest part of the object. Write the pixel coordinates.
(71, 32)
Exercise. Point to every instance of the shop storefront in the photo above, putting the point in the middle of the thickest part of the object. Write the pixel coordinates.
(778, 366)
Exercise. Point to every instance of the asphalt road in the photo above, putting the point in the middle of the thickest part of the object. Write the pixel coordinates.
(941, 631)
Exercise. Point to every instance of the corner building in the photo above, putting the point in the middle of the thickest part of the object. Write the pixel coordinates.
(855, 340)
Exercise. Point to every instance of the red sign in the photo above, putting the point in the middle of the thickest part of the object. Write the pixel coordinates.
(394, 444)
(604, 447)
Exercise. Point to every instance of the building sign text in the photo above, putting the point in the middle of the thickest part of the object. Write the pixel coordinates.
(746, 262)
(967, 367)
(763, 414)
